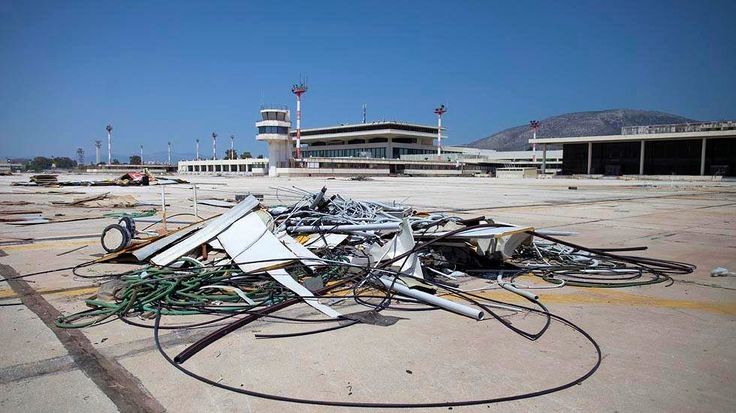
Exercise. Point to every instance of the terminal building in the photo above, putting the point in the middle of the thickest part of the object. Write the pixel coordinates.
(707, 148)
(370, 148)
(363, 148)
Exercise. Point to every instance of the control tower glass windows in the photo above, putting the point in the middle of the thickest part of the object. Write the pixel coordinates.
(281, 130)
(274, 116)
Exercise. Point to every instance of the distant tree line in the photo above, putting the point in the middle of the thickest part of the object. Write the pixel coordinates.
(41, 163)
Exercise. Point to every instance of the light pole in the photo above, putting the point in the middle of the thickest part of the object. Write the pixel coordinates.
(534, 125)
(98, 145)
(169, 152)
(214, 146)
(141, 154)
(197, 158)
(439, 111)
(299, 90)
(108, 128)
(232, 147)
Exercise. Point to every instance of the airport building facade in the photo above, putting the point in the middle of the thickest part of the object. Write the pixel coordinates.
(706, 149)
(371, 148)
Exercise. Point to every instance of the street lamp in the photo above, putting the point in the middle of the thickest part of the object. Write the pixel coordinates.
(534, 125)
(214, 146)
(439, 111)
(108, 128)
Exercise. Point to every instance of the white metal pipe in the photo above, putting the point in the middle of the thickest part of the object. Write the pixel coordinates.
(194, 189)
(510, 287)
(163, 205)
(430, 299)
(390, 226)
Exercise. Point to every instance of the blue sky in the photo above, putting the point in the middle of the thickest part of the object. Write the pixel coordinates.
(177, 71)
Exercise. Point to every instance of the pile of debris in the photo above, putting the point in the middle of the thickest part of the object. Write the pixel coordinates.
(104, 200)
(44, 180)
(333, 253)
(143, 178)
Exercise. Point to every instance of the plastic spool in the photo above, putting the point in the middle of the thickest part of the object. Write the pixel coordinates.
(115, 237)
(129, 224)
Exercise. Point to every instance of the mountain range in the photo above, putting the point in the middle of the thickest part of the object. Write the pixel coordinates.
(604, 122)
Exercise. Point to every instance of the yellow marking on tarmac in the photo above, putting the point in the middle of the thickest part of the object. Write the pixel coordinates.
(65, 292)
(46, 245)
(612, 297)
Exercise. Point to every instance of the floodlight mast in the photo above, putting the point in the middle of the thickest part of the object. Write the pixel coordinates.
(439, 111)
(141, 154)
(299, 90)
(98, 145)
(534, 125)
(232, 147)
(197, 149)
(108, 128)
(214, 146)
(169, 152)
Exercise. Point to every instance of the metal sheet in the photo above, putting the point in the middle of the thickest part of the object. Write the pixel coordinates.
(283, 278)
(400, 244)
(327, 241)
(301, 251)
(141, 254)
(207, 233)
(252, 246)
(248, 241)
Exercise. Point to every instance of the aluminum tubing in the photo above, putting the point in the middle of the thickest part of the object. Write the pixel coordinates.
(509, 287)
(390, 226)
(433, 300)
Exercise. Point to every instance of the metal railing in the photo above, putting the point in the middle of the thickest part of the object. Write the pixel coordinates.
(679, 127)
(267, 106)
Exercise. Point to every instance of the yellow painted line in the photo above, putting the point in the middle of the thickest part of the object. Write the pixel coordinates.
(46, 245)
(611, 297)
(66, 292)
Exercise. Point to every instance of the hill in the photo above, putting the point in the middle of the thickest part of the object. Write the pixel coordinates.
(605, 122)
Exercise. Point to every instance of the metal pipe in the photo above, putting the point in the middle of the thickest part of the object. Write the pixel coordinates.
(163, 205)
(389, 226)
(432, 300)
(194, 189)
(510, 287)
(702, 157)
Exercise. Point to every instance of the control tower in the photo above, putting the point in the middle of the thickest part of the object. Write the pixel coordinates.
(274, 128)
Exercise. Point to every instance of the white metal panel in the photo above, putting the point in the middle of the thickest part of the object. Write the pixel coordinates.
(207, 233)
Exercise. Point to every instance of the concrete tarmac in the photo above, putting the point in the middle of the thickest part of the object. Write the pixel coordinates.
(665, 348)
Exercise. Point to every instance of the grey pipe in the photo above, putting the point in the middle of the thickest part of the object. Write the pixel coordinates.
(391, 226)
(432, 300)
